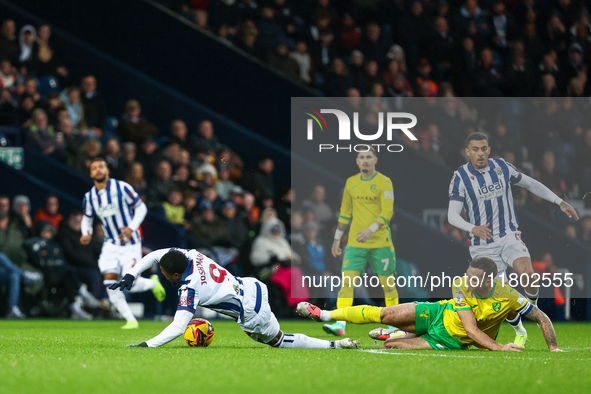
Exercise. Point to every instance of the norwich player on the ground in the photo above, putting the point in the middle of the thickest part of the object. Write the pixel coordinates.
(472, 317)
(368, 200)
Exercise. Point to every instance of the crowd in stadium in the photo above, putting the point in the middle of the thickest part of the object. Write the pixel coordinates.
(195, 180)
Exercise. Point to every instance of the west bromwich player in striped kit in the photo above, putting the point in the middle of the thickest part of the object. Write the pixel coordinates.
(121, 212)
(483, 188)
(205, 283)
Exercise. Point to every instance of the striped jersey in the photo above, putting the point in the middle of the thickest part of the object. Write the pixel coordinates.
(114, 206)
(486, 195)
(205, 283)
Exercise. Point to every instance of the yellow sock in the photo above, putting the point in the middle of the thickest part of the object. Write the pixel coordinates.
(361, 314)
(390, 290)
(345, 297)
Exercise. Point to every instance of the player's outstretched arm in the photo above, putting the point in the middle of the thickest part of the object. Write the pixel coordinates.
(546, 326)
(172, 331)
(542, 191)
(478, 336)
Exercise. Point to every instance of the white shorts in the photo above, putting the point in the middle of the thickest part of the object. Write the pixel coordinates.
(119, 259)
(503, 252)
(259, 322)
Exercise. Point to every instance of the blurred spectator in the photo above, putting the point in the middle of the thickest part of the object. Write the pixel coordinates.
(236, 226)
(174, 211)
(10, 276)
(280, 60)
(249, 42)
(209, 229)
(158, 189)
(252, 211)
(582, 167)
(112, 157)
(46, 255)
(44, 59)
(585, 233)
(270, 248)
(71, 98)
(190, 205)
(442, 50)
(323, 51)
(135, 177)
(26, 40)
(487, 79)
(210, 195)
(148, 157)
(571, 231)
(49, 212)
(89, 150)
(519, 78)
(42, 136)
(126, 159)
(374, 44)
(223, 186)
(426, 148)
(9, 44)
(206, 140)
(550, 177)
(283, 206)
(21, 215)
(270, 33)
(412, 32)
(304, 63)
(133, 127)
(95, 107)
(11, 237)
(178, 133)
(260, 180)
(317, 202)
(183, 180)
(7, 77)
(314, 264)
(83, 258)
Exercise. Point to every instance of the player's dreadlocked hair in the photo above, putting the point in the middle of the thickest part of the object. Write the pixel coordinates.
(487, 265)
(174, 262)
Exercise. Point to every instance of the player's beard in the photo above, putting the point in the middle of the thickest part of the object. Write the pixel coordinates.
(101, 180)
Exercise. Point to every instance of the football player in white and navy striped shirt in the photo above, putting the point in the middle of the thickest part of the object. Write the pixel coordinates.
(482, 187)
(205, 283)
(121, 212)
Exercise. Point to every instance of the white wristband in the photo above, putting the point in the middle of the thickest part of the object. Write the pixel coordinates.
(374, 227)
(338, 234)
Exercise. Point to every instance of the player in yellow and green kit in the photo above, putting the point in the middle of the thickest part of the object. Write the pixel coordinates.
(472, 317)
(368, 206)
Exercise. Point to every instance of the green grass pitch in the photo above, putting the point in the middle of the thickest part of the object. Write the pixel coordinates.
(55, 356)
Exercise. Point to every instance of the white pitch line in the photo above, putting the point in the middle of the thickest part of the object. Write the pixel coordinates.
(404, 353)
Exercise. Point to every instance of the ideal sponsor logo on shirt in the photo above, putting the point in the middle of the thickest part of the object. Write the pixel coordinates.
(488, 192)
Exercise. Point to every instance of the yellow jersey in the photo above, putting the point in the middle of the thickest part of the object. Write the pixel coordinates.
(490, 312)
(364, 202)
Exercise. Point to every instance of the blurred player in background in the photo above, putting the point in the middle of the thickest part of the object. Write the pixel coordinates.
(483, 188)
(205, 283)
(121, 212)
(368, 199)
(472, 317)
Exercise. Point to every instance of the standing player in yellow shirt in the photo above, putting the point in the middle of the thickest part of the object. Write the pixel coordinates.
(368, 206)
(472, 317)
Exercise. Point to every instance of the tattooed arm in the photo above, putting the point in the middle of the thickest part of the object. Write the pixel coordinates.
(546, 326)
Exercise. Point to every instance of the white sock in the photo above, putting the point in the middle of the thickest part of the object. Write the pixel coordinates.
(118, 300)
(533, 298)
(301, 341)
(517, 325)
(142, 284)
(325, 315)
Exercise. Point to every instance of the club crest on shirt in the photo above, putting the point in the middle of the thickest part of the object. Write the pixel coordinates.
(496, 306)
